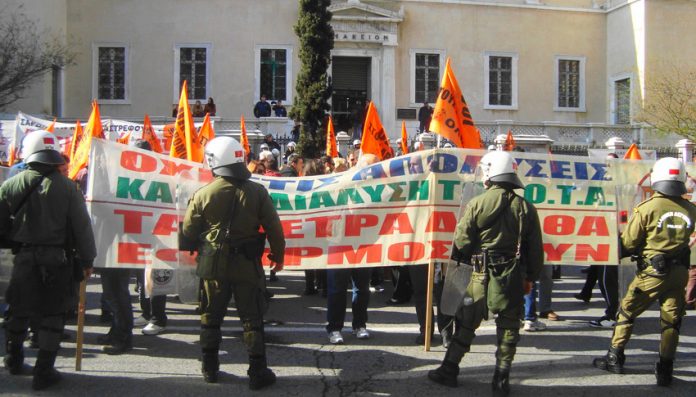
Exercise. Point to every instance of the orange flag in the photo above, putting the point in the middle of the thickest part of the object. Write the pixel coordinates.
(76, 138)
(404, 138)
(80, 157)
(243, 138)
(374, 139)
(331, 148)
(632, 153)
(51, 127)
(124, 139)
(451, 117)
(168, 133)
(207, 133)
(185, 144)
(509, 141)
(150, 136)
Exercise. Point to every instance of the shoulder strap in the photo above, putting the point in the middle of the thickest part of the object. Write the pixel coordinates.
(27, 194)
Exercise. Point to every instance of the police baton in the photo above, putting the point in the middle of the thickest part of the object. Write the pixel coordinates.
(80, 324)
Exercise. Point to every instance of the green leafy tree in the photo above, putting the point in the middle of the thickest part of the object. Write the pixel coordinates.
(316, 39)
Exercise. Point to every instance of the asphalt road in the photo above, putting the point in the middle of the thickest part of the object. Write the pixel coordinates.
(550, 363)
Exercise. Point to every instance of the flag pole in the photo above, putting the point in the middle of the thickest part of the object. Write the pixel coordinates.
(430, 285)
(80, 325)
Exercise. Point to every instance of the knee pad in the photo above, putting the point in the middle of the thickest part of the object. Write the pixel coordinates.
(666, 325)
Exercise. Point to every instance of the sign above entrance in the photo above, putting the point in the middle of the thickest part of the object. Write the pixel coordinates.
(361, 37)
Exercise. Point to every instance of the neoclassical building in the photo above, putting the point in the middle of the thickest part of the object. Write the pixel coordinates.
(576, 70)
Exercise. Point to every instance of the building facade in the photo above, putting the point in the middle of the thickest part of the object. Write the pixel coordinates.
(519, 62)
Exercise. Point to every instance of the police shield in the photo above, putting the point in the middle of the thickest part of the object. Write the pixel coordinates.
(458, 274)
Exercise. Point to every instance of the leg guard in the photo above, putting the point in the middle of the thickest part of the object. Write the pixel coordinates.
(211, 337)
(501, 382)
(44, 373)
(51, 332)
(613, 361)
(260, 375)
(210, 365)
(15, 333)
(669, 337)
(507, 346)
(254, 337)
(663, 371)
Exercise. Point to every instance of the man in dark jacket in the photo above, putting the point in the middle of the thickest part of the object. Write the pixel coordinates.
(262, 108)
(294, 166)
(38, 209)
(223, 218)
(500, 236)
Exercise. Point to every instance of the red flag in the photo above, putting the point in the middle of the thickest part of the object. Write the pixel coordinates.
(207, 133)
(632, 153)
(331, 147)
(150, 135)
(509, 142)
(185, 144)
(243, 138)
(451, 117)
(404, 138)
(80, 157)
(374, 139)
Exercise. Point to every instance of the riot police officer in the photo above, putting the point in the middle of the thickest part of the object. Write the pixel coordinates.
(500, 236)
(657, 236)
(41, 210)
(223, 218)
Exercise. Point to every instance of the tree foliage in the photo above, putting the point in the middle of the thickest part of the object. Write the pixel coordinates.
(26, 53)
(670, 101)
(316, 39)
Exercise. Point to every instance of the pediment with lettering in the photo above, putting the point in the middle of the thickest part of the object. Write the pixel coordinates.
(358, 22)
(357, 10)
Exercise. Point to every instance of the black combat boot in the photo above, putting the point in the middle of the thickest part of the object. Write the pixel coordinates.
(501, 382)
(612, 362)
(210, 366)
(14, 358)
(260, 375)
(445, 374)
(663, 372)
(44, 373)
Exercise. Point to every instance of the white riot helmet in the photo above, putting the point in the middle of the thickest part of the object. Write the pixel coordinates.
(275, 152)
(668, 177)
(41, 147)
(225, 156)
(291, 145)
(264, 146)
(499, 166)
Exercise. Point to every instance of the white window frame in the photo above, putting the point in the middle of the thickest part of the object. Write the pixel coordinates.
(95, 73)
(412, 70)
(486, 80)
(290, 57)
(612, 102)
(177, 70)
(581, 102)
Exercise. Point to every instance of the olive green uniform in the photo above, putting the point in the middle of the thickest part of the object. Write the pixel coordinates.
(660, 226)
(232, 266)
(42, 282)
(493, 222)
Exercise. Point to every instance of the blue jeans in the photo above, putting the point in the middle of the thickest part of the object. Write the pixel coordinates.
(338, 280)
(530, 304)
(115, 288)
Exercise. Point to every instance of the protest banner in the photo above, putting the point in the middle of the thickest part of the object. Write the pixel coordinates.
(397, 212)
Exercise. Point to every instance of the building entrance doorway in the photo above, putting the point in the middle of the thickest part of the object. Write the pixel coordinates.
(351, 85)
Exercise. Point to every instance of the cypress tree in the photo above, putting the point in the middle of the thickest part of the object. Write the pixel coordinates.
(313, 88)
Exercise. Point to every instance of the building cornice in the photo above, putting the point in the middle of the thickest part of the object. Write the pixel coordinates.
(522, 6)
